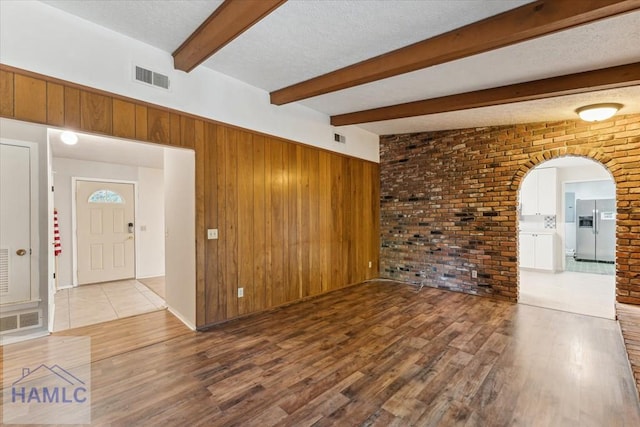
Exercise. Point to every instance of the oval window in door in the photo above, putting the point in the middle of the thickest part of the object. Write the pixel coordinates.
(105, 196)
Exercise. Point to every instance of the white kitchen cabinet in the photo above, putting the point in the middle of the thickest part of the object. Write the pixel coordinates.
(538, 192)
(545, 253)
(537, 250)
(527, 250)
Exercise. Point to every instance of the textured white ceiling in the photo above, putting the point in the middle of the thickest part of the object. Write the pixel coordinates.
(552, 109)
(305, 38)
(164, 24)
(572, 162)
(589, 47)
(108, 150)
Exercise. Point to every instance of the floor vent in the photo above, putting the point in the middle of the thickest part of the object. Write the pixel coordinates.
(29, 319)
(151, 78)
(20, 321)
(9, 323)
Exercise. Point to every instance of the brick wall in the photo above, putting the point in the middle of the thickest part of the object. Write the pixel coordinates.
(448, 200)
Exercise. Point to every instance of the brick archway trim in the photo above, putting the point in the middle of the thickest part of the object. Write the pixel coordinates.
(457, 191)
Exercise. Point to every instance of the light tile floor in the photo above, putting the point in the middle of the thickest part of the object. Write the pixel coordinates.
(156, 284)
(582, 293)
(589, 267)
(90, 304)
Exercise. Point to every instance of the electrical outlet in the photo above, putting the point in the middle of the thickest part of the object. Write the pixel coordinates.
(240, 292)
(474, 274)
(212, 233)
(370, 264)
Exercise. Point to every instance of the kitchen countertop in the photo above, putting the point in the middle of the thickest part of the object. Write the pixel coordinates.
(538, 231)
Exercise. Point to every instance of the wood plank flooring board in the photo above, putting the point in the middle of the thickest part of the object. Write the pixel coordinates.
(629, 319)
(379, 353)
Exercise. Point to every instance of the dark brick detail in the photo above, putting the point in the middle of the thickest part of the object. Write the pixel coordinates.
(455, 193)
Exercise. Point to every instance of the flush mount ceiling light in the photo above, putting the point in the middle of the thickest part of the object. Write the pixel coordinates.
(597, 112)
(69, 137)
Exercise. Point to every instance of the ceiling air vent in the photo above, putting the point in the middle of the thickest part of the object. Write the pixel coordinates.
(151, 78)
(339, 138)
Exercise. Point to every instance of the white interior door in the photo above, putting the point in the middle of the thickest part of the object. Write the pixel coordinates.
(15, 228)
(105, 213)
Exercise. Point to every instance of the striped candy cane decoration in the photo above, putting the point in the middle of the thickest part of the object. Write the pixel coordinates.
(57, 247)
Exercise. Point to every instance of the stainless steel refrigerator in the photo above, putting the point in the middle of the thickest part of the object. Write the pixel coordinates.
(596, 230)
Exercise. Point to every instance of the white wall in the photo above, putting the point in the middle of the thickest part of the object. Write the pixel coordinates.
(591, 171)
(150, 250)
(592, 189)
(150, 226)
(180, 268)
(40, 38)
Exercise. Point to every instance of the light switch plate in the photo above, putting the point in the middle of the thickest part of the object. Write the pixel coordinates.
(212, 233)
(240, 292)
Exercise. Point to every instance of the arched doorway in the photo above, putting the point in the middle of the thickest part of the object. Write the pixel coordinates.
(566, 237)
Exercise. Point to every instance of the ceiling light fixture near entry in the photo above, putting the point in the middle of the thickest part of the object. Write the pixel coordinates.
(597, 112)
(69, 137)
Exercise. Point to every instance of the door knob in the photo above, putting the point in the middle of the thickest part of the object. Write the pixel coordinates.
(21, 252)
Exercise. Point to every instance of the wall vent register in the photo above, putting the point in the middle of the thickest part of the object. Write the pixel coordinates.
(151, 78)
(19, 321)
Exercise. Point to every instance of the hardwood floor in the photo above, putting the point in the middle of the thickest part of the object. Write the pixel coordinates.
(629, 318)
(380, 353)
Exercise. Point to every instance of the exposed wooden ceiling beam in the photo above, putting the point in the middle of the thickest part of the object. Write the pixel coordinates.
(228, 21)
(517, 25)
(589, 81)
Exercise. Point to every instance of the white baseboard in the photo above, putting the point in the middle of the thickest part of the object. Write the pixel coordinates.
(150, 276)
(5, 340)
(182, 318)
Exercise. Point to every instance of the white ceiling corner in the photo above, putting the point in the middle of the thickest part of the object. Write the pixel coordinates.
(108, 150)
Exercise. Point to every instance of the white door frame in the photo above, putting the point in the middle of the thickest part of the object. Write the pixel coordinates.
(74, 226)
(33, 223)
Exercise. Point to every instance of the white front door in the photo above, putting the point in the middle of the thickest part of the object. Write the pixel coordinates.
(105, 231)
(15, 218)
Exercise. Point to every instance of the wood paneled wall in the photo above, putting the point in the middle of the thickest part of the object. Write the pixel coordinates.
(294, 221)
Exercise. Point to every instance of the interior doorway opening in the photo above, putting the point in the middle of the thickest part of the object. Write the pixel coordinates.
(115, 262)
(566, 237)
